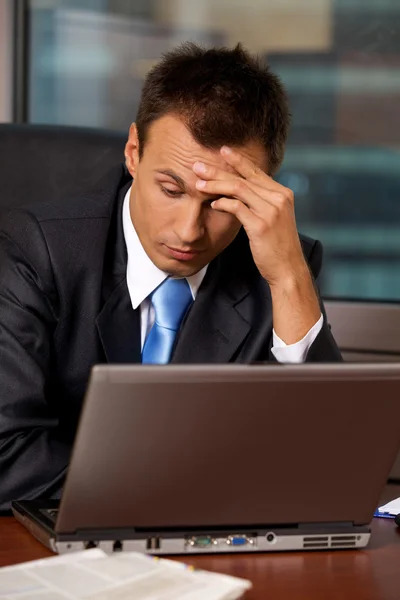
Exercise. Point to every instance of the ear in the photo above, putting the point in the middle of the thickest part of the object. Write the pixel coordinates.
(132, 151)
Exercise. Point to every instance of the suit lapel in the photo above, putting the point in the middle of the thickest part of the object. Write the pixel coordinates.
(216, 325)
(119, 327)
(118, 324)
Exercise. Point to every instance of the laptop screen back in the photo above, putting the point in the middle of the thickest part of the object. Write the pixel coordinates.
(200, 446)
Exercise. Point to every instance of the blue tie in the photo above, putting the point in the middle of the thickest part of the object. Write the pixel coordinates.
(170, 301)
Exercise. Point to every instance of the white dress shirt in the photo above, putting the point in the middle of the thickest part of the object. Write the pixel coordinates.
(143, 277)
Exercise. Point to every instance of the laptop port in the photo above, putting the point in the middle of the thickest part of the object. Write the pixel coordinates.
(90, 544)
(239, 540)
(202, 541)
(153, 543)
(118, 546)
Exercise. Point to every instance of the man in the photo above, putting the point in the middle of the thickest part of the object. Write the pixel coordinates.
(189, 254)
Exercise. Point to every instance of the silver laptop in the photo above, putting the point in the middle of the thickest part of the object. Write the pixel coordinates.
(188, 459)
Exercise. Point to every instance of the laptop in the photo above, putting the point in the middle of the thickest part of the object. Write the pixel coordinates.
(196, 459)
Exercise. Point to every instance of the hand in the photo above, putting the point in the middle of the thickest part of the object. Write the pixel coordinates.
(264, 207)
(266, 210)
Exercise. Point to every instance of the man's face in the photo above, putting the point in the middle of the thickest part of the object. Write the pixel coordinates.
(178, 228)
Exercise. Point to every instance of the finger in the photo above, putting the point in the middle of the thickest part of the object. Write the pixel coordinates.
(233, 188)
(206, 171)
(246, 167)
(243, 214)
(253, 195)
(237, 164)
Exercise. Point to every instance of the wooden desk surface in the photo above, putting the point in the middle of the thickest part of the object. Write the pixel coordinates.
(371, 574)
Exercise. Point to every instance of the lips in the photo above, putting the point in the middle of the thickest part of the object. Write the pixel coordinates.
(182, 254)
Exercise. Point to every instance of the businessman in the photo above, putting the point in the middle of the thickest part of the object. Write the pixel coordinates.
(187, 253)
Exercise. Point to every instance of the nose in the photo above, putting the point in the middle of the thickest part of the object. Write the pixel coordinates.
(189, 223)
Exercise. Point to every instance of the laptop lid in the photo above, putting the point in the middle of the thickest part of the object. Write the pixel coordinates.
(214, 446)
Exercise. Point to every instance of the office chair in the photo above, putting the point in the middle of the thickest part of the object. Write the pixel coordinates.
(46, 162)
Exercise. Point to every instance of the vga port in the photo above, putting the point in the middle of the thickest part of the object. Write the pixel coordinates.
(239, 540)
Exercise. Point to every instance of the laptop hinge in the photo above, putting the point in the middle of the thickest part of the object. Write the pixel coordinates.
(329, 525)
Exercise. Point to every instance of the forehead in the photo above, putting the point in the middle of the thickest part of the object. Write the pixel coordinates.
(171, 145)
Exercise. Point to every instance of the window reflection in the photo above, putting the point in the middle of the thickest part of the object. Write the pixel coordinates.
(340, 62)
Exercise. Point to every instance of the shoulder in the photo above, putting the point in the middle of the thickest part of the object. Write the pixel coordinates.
(68, 228)
(239, 254)
(309, 245)
(313, 253)
(96, 203)
(65, 215)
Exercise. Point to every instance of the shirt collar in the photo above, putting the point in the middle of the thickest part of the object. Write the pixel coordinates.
(142, 275)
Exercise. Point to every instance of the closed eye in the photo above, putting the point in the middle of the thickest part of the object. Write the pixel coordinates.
(178, 193)
(171, 193)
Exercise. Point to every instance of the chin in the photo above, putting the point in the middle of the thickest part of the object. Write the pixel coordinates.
(177, 268)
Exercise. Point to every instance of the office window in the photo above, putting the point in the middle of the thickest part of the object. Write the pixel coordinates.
(340, 61)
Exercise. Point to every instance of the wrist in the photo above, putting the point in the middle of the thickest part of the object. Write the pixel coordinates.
(292, 279)
(295, 304)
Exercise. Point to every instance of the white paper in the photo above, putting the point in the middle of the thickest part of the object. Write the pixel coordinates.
(94, 575)
(392, 507)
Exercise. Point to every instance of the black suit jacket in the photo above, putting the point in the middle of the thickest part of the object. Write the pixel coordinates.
(65, 306)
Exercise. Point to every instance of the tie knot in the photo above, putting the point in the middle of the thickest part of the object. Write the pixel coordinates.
(171, 301)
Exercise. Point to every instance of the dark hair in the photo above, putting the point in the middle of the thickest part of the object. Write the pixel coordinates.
(224, 96)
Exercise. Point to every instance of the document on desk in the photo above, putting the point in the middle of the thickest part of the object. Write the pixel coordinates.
(391, 509)
(94, 575)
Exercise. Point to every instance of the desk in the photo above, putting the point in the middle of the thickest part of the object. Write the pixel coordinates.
(371, 574)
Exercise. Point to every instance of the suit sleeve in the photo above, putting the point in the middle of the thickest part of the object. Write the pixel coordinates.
(324, 347)
(33, 455)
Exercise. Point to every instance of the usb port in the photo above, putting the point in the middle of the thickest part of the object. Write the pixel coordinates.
(90, 544)
(153, 543)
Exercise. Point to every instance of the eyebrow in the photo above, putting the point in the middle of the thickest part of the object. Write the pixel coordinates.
(173, 176)
(179, 181)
